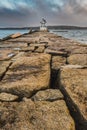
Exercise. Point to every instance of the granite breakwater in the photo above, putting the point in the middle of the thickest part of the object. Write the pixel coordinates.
(43, 83)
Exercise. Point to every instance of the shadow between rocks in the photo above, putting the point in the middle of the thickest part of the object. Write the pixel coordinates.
(54, 78)
(2, 76)
(80, 121)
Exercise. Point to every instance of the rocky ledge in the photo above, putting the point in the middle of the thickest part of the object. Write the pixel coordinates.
(43, 83)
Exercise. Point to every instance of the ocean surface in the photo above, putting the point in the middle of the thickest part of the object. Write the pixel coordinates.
(78, 35)
(4, 33)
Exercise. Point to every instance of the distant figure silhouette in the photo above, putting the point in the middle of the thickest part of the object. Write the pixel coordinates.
(43, 27)
(43, 22)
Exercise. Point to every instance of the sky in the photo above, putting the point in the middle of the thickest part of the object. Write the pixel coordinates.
(23, 13)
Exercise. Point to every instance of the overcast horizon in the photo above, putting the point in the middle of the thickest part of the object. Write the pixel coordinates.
(25, 13)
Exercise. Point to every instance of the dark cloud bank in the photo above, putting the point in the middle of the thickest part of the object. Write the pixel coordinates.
(66, 12)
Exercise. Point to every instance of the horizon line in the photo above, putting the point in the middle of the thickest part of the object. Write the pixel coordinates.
(47, 26)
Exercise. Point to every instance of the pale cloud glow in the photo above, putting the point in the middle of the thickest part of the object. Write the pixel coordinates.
(20, 13)
(7, 4)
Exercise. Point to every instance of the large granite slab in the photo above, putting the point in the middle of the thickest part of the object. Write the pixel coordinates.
(27, 75)
(29, 115)
(73, 84)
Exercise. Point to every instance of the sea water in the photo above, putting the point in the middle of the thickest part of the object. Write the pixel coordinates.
(7, 32)
(79, 35)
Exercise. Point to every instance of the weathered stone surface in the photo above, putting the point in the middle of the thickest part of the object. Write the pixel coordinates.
(7, 97)
(73, 67)
(16, 35)
(40, 49)
(35, 116)
(18, 56)
(30, 48)
(27, 75)
(6, 54)
(12, 36)
(12, 45)
(79, 59)
(71, 47)
(38, 44)
(81, 49)
(58, 61)
(74, 86)
(43, 42)
(3, 67)
(48, 95)
(55, 52)
(24, 39)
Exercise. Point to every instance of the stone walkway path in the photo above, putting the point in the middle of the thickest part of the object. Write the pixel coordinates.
(43, 83)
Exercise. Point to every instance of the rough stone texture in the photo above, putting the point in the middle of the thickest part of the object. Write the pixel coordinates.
(40, 49)
(18, 56)
(16, 35)
(3, 67)
(35, 116)
(73, 67)
(81, 49)
(30, 48)
(30, 73)
(74, 86)
(6, 54)
(71, 47)
(58, 61)
(55, 52)
(12, 45)
(24, 39)
(7, 97)
(37, 44)
(80, 59)
(48, 95)
(27, 75)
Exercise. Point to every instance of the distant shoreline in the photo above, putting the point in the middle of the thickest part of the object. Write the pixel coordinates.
(49, 27)
(13, 28)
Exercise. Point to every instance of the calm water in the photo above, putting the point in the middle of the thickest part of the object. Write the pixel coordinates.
(4, 33)
(79, 35)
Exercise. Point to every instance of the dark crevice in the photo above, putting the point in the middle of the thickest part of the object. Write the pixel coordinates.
(36, 47)
(80, 122)
(51, 75)
(2, 76)
(54, 77)
(67, 61)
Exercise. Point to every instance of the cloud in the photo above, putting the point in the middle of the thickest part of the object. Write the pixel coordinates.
(29, 12)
